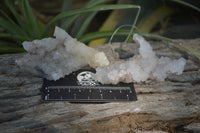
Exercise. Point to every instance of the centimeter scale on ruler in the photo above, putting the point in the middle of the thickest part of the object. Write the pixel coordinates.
(79, 86)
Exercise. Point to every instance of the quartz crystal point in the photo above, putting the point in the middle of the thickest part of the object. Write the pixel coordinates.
(53, 58)
(141, 67)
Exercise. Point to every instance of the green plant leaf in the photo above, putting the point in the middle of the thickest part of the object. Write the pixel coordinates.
(8, 24)
(116, 30)
(26, 26)
(187, 4)
(77, 25)
(85, 10)
(41, 26)
(133, 26)
(82, 22)
(9, 47)
(68, 21)
(96, 35)
(66, 6)
(10, 27)
(14, 37)
(31, 21)
(85, 24)
(9, 4)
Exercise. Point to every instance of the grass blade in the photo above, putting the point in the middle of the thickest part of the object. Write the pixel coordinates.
(85, 24)
(187, 4)
(96, 35)
(10, 25)
(133, 26)
(26, 24)
(14, 37)
(68, 22)
(22, 25)
(31, 19)
(8, 47)
(66, 6)
(82, 22)
(77, 25)
(116, 30)
(86, 10)
(13, 11)
(25, 27)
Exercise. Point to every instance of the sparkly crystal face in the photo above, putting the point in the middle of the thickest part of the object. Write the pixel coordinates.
(140, 68)
(53, 58)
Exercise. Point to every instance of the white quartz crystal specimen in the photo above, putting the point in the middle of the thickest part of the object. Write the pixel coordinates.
(141, 67)
(53, 58)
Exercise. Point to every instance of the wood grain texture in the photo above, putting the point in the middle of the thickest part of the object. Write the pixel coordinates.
(170, 106)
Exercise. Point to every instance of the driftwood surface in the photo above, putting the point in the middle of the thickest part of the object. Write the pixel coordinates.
(170, 106)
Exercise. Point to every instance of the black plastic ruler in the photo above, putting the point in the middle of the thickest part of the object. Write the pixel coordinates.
(80, 86)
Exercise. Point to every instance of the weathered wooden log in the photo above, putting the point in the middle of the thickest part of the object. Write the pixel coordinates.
(170, 106)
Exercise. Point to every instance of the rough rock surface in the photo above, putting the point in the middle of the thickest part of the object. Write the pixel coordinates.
(170, 106)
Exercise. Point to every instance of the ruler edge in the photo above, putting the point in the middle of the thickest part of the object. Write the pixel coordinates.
(131, 85)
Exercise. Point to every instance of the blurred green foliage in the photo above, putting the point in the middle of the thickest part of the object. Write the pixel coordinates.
(18, 22)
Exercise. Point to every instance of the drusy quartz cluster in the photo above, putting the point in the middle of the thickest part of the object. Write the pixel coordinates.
(53, 58)
(141, 67)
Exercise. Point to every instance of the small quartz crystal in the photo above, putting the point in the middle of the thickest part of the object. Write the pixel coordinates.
(53, 58)
(141, 67)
